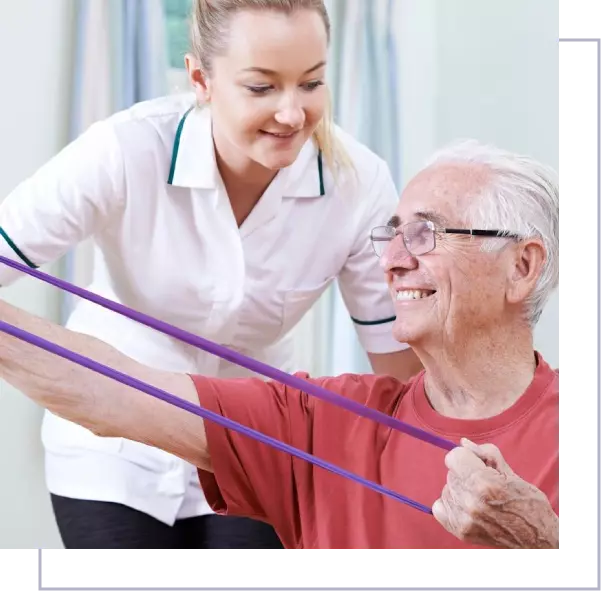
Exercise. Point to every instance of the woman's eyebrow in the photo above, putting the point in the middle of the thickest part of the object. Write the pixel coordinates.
(269, 72)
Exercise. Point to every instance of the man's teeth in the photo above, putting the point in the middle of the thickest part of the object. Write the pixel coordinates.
(413, 294)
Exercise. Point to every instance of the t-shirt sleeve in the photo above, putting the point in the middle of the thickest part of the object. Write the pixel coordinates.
(70, 198)
(250, 478)
(362, 281)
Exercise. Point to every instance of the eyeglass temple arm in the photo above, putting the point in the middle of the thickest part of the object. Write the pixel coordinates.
(472, 232)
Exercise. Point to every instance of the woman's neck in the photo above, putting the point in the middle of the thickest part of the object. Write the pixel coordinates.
(244, 180)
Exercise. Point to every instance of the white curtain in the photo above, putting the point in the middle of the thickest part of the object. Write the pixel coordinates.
(363, 77)
(120, 59)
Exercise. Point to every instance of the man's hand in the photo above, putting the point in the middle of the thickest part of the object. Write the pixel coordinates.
(484, 502)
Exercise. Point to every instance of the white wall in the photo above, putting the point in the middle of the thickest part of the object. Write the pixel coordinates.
(418, 79)
(486, 69)
(35, 58)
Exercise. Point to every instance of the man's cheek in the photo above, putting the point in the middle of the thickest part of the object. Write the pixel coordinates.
(384, 262)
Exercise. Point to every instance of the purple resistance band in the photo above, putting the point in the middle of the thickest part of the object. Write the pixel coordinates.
(205, 414)
(252, 364)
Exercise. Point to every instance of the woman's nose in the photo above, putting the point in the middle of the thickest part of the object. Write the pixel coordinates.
(291, 114)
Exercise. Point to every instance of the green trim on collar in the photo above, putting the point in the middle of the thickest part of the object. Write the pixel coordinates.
(16, 249)
(372, 322)
(178, 136)
(322, 189)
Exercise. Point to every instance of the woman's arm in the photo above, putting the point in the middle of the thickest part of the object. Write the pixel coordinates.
(100, 404)
(73, 196)
(363, 284)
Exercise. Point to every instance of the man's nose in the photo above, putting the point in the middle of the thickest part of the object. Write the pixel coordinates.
(396, 255)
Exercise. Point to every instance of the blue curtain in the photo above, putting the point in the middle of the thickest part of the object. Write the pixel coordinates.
(363, 77)
(120, 59)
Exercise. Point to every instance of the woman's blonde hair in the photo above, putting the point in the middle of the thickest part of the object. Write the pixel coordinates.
(208, 36)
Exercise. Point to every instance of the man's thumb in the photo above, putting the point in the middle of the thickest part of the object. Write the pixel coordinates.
(489, 454)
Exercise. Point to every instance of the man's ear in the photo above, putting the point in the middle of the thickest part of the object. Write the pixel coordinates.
(198, 79)
(525, 268)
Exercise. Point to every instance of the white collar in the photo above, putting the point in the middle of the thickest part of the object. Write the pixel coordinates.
(193, 163)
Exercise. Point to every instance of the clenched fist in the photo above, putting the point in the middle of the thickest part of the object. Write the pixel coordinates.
(484, 502)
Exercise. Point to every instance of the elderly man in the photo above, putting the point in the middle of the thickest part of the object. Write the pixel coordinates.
(470, 256)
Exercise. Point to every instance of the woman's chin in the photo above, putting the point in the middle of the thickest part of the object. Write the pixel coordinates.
(277, 161)
(276, 158)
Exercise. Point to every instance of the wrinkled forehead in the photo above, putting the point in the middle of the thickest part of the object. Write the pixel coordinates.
(442, 193)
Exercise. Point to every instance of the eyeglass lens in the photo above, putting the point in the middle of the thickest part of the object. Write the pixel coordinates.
(418, 237)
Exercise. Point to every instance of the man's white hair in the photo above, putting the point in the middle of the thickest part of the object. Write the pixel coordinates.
(522, 197)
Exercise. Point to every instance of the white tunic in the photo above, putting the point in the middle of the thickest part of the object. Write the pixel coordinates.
(145, 187)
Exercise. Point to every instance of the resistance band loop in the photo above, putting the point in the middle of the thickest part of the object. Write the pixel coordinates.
(287, 379)
(197, 410)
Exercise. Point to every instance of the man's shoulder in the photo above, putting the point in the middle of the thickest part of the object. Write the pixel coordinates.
(376, 391)
(546, 377)
(299, 393)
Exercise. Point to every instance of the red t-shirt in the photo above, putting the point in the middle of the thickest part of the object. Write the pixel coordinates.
(312, 508)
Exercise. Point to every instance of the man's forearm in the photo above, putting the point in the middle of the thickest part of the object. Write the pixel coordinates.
(94, 401)
(49, 380)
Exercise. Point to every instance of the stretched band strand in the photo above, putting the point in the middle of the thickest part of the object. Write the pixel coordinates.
(309, 388)
(201, 412)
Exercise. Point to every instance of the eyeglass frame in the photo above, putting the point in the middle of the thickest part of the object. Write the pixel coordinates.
(464, 231)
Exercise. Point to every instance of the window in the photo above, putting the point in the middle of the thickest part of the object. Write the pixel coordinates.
(177, 18)
(177, 13)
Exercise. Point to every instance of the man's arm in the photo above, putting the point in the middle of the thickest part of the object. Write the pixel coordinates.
(100, 404)
(401, 365)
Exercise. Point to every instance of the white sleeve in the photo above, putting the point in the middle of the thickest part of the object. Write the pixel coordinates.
(362, 281)
(67, 200)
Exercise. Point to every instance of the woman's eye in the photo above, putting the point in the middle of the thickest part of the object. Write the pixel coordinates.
(313, 85)
(259, 89)
(264, 89)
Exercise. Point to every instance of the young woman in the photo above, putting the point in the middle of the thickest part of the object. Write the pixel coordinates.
(227, 212)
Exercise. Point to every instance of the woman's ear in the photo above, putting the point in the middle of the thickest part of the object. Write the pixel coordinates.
(526, 266)
(198, 80)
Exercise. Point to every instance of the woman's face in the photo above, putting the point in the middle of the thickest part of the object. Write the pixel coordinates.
(267, 92)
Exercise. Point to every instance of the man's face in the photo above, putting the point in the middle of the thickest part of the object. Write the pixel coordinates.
(458, 289)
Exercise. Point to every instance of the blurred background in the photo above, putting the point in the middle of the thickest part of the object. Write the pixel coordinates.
(407, 76)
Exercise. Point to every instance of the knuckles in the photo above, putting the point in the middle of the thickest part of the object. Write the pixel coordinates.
(483, 487)
(454, 457)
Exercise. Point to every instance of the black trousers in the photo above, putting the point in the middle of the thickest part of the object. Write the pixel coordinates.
(99, 525)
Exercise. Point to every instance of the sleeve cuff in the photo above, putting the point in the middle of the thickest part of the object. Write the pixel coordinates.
(376, 336)
(9, 275)
(216, 441)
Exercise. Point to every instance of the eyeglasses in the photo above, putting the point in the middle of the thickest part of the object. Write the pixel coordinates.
(420, 237)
